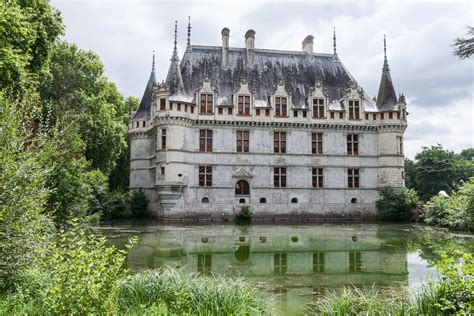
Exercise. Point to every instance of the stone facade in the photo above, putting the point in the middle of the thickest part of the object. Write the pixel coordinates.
(285, 133)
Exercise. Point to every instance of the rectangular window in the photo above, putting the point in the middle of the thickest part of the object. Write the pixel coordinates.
(162, 104)
(257, 112)
(390, 115)
(186, 108)
(192, 109)
(219, 110)
(332, 115)
(318, 262)
(317, 143)
(353, 178)
(400, 145)
(353, 145)
(354, 110)
(317, 177)
(295, 113)
(163, 138)
(280, 106)
(355, 261)
(318, 108)
(205, 140)
(279, 142)
(243, 141)
(382, 116)
(204, 264)
(305, 114)
(205, 176)
(366, 116)
(229, 111)
(170, 105)
(267, 112)
(280, 264)
(374, 117)
(279, 177)
(206, 103)
(398, 115)
(179, 106)
(341, 115)
(243, 105)
(162, 171)
(144, 124)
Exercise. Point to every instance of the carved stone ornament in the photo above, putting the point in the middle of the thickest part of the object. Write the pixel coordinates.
(242, 173)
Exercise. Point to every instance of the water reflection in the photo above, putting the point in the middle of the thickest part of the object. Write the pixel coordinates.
(296, 262)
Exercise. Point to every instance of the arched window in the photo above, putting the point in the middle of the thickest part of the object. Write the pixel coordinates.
(353, 200)
(242, 188)
(294, 200)
(263, 200)
(242, 201)
(205, 200)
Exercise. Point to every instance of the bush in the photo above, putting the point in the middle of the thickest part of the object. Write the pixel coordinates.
(397, 205)
(178, 293)
(244, 215)
(138, 203)
(455, 211)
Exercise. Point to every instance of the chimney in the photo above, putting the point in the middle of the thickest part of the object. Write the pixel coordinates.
(308, 44)
(250, 45)
(225, 47)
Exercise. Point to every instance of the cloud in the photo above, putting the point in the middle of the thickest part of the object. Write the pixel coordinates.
(437, 84)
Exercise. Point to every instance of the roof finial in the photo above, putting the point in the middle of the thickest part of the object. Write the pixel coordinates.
(334, 40)
(189, 31)
(153, 64)
(175, 50)
(384, 47)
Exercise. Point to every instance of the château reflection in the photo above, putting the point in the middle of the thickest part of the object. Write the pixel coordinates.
(334, 254)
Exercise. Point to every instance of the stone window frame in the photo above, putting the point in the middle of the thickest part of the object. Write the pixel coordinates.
(318, 262)
(164, 138)
(280, 177)
(317, 143)
(353, 144)
(280, 263)
(208, 104)
(317, 177)
(353, 178)
(244, 106)
(279, 142)
(321, 104)
(355, 261)
(280, 106)
(354, 109)
(400, 145)
(205, 140)
(243, 136)
(205, 176)
(242, 190)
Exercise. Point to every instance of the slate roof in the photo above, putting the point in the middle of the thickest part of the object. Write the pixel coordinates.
(145, 104)
(298, 71)
(387, 98)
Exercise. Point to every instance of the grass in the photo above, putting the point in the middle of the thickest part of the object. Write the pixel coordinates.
(173, 292)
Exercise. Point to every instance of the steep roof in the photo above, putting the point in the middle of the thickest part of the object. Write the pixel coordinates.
(387, 98)
(298, 71)
(145, 104)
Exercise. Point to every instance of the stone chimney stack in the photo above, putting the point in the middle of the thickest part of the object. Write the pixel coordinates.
(308, 44)
(250, 45)
(225, 46)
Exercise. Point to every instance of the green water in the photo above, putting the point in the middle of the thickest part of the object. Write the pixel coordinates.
(297, 263)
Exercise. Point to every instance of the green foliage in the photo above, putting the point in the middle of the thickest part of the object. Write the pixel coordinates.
(464, 47)
(397, 205)
(78, 91)
(455, 211)
(244, 215)
(410, 174)
(179, 293)
(23, 224)
(28, 29)
(138, 203)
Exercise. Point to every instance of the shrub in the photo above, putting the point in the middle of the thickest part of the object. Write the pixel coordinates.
(80, 275)
(178, 293)
(138, 203)
(397, 205)
(455, 211)
(244, 215)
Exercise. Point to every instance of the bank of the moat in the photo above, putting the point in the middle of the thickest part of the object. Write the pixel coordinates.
(298, 262)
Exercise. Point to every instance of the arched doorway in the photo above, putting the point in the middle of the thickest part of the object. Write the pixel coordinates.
(242, 187)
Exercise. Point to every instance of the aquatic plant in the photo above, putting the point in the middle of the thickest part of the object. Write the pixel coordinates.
(244, 215)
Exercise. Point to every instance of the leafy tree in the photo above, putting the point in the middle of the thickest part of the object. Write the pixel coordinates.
(410, 173)
(467, 154)
(78, 90)
(464, 47)
(138, 203)
(397, 205)
(28, 29)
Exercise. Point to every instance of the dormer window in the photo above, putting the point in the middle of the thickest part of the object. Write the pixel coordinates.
(281, 106)
(162, 104)
(243, 104)
(207, 103)
(354, 109)
(318, 108)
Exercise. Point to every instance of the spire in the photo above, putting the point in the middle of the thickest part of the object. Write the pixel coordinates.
(387, 98)
(174, 79)
(189, 31)
(145, 104)
(334, 40)
(175, 57)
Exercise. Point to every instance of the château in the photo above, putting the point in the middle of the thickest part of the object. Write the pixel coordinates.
(289, 134)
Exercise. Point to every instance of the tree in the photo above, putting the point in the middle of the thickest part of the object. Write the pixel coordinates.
(410, 173)
(467, 154)
(464, 47)
(397, 205)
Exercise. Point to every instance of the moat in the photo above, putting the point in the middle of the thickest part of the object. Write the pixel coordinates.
(294, 262)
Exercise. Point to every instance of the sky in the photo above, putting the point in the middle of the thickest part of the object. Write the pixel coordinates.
(438, 86)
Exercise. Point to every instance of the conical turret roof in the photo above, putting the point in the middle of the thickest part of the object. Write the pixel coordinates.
(145, 104)
(387, 97)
